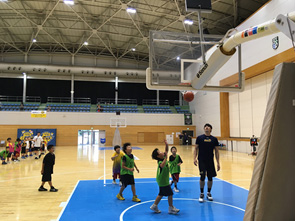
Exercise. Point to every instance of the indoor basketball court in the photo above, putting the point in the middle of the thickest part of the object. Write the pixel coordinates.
(80, 79)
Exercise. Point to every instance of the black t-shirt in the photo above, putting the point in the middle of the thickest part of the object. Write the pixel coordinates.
(124, 158)
(49, 161)
(206, 146)
(172, 158)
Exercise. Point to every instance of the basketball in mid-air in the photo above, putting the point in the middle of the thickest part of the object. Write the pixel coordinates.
(188, 96)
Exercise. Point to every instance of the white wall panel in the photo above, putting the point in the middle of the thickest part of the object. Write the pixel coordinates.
(52, 118)
(259, 100)
(234, 115)
(246, 110)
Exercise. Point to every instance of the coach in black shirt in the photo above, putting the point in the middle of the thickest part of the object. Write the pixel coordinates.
(205, 145)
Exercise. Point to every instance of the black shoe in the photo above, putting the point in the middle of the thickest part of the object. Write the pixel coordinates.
(201, 198)
(41, 188)
(209, 196)
(42, 153)
(39, 156)
(36, 158)
(52, 189)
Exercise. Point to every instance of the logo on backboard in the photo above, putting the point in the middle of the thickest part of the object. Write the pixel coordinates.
(275, 42)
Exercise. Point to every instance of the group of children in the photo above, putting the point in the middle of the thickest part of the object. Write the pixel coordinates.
(23, 149)
(27, 148)
(123, 167)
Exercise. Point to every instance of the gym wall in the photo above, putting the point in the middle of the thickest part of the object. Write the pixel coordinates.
(68, 124)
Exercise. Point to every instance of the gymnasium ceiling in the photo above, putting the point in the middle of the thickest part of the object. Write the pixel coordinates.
(106, 26)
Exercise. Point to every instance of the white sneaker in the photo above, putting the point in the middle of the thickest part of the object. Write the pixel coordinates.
(209, 197)
(120, 184)
(155, 208)
(173, 210)
(201, 198)
(114, 182)
(176, 190)
(171, 182)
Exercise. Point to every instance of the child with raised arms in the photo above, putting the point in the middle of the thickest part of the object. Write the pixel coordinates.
(163, 180)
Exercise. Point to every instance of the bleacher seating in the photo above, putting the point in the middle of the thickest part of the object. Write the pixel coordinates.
(15, 106)
(111, 108)
(154, 109)
(182, 109)
(64, 107)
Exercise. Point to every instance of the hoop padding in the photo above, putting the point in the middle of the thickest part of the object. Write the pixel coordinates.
(271, 194)
(118, 122)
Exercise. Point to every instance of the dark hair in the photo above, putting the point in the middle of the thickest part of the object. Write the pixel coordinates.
(49, 147)
(125, 145)
(155, 154)
(116, 147)
(173, 148)
(209, 125)
(8, 138)
(18, 139)
(38, 133)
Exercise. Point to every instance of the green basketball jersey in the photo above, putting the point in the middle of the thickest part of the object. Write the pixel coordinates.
(129, 163)
(174, 168)
(163, 174)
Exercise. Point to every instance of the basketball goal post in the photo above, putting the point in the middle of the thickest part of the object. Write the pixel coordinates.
(117, 122)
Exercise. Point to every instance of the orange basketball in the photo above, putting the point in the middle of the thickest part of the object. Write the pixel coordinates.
(188, 96)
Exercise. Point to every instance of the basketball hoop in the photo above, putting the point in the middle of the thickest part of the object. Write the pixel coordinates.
(118, 122)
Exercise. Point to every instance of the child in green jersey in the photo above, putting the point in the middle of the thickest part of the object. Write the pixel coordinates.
(174, 162)
(126, 173)
(3, 155)
(163, 180)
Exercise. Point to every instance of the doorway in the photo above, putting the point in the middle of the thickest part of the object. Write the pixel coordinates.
(90, 137)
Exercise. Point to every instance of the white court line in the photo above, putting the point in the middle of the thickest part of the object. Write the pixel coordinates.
(233, 184)
(66, 203)
(104, 166)
(224, 204)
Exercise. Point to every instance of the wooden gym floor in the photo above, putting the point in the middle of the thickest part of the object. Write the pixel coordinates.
(19, 181)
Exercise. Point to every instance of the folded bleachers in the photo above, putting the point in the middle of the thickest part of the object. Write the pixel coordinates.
(154, 109)
(15, 106)
(65, 107)
(123, 108)
(182, 109)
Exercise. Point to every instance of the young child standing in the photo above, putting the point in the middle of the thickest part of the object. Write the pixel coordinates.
(44, 145)
(174, 162)
(26, 141)
(163, 180)
(30, 145)
(117, 157)
(4, 154)
(17, 149)
(24, 150)
(126, 173)
(47, 169)
(11, 149)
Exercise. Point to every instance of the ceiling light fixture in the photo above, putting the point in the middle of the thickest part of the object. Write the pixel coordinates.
(69, 2)
(131, 10)
(188, 22)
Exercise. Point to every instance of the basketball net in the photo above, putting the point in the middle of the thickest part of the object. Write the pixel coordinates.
(194, 92)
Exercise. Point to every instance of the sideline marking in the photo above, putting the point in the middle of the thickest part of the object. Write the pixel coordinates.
(66, 203)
